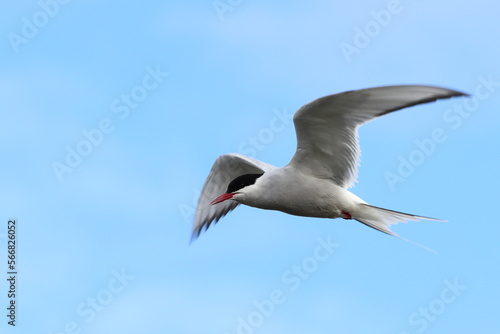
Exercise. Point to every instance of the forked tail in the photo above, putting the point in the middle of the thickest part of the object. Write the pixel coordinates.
(381, 219)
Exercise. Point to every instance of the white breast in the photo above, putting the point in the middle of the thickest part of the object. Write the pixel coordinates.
(286, 190)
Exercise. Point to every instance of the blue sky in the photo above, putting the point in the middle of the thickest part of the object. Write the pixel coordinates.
(114, 111)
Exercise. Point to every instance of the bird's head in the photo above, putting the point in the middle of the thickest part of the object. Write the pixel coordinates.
(238, 187)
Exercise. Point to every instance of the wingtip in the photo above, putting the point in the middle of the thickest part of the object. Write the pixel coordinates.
(452, 93)
(460, 94)
(194, 235)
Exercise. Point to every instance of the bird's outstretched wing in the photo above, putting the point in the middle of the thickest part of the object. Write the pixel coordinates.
(226, 168)
(327, 128)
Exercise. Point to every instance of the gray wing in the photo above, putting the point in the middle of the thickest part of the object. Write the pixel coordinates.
(226, 168)
(327, 128)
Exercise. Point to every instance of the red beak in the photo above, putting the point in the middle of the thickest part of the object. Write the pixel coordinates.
(222, 198)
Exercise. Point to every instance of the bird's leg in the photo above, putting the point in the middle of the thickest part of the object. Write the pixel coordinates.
(345, 215)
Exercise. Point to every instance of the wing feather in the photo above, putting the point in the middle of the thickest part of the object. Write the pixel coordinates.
(327, 128)
(226, 168)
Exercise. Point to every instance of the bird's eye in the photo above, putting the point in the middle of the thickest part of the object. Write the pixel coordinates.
(241, 182)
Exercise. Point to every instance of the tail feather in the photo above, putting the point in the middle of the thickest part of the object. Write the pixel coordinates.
(381, 219)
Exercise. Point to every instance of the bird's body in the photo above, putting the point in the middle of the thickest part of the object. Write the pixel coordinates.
(306, 196)
(315, 182)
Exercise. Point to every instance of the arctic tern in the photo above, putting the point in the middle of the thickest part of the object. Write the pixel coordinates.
(315, 182)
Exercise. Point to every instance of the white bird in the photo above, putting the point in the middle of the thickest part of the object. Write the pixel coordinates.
(315, 182)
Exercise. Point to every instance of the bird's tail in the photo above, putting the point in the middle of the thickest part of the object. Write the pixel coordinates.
(381, 219)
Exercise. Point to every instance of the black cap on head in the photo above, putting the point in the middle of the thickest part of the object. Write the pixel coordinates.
(241, 182)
